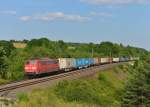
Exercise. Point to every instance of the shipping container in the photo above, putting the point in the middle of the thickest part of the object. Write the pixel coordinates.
(91, 61)
(110, 59)
(84, 62)
(137, 58)
(122, 59)
(66, 63)
(131, 58)
(115, 59)
(88, 61)
(79, 62)
(127, 58)
(96, 61)
(105, 60)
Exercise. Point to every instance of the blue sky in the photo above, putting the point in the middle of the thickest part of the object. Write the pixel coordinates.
(121, 21)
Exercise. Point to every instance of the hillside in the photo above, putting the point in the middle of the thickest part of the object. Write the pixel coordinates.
(126, 86)
(104, 89)
(13, 59)
(123, 86)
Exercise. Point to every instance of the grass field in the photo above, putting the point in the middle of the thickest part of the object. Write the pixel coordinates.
(3, 81)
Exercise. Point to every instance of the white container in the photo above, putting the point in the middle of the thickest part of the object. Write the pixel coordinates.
(115, 59)
(136, 58)
(105, 60)
(66, 63)
(131, 58)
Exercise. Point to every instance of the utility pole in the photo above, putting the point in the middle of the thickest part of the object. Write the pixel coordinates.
(92, 52)
(110, 54)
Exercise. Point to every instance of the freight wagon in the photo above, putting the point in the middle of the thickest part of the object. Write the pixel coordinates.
(105, 60)
(124, 58)
(136, 58)
(87, 62)
(84, 62)
(91, 60)
(131, 58)
(121, 59)
(66, 63)
(115, 59)
(97, 61)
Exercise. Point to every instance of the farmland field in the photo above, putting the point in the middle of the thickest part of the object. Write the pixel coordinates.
(19, 45)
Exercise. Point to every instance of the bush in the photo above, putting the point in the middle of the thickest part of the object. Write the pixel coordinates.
(120, 66)
(78, 90)
(23, 97)
(4, 81)
(102, 77)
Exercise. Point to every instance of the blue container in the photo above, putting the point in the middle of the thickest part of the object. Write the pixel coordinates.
(84, 62)
(91, 61)
(79, 62)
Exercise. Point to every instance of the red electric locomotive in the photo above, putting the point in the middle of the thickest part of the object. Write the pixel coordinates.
(41, 66)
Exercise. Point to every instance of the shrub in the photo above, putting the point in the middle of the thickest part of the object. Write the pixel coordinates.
(78, 90)
(120, 66)
(102, 77)
(23, 97)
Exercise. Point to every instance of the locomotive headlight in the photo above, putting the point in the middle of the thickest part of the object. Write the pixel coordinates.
(26, 68)
(33, 68)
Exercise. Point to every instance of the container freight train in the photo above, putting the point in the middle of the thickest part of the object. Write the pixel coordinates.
(42, 66)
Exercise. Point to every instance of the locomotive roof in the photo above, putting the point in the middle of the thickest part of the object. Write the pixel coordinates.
(42, 59)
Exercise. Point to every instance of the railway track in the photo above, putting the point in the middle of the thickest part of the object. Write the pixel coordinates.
(88, 71)
(35, 81)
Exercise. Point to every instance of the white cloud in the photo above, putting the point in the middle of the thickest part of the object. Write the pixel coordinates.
(101, 14)
(51, 16)
(113, 2)
(26, 18)
(8, 12)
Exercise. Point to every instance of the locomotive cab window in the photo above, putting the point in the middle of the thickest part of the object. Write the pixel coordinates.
(27, 62)
(31, 62)
(43, 62)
